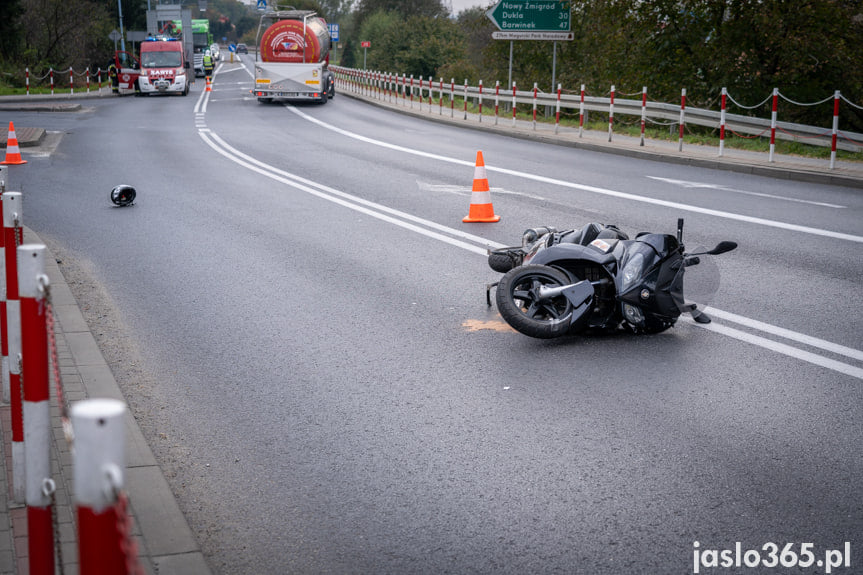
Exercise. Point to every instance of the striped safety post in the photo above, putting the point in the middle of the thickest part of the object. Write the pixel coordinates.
(71, 81)
(465, 98)
(836, 97)
(480, 101)
(32, 282)
(611, 114)
(99, 468)
(12, 238)
(513, 104)
(557, 111)
(535, 88)
(773, 114)
(51, 73)
(722, 121)
(643, 112)
(4, 337)
(682, 119)
(496, 101)
(452, 98)
(431, 96)
(581, 114)
(440, 96)
(27, 79)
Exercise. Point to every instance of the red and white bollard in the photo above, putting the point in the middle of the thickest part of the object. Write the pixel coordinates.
(12, 238)
(535, 90)
(682, 119)
(643, 112)
(557, 111)
(452, 97)
(32, 282)
(836, 97)
(27, 79)
(480, 101)
(581, 114)
(773, 115)
(513, 104)
(465, 98)
(611, 114)
(722, 121)
(496, 100)
(99, 468)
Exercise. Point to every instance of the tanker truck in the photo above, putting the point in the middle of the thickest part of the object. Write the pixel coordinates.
(292, 57)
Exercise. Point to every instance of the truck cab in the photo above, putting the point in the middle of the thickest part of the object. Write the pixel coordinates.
(163, 67)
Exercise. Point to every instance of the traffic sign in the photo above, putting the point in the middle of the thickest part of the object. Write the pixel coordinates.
(531, 15)
(334, 32)
(365, 44)
(558, 36)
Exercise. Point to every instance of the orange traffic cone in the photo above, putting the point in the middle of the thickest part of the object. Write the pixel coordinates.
(481, 209)
(208, 85)
(13, 154)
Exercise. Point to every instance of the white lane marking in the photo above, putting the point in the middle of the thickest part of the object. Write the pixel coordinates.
(586, 188)
(782, 348)
(703, 185)
(786, 333)
(346, 200)
(369, 208)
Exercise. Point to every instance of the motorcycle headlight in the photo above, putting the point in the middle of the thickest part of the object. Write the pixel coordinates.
(631, 272)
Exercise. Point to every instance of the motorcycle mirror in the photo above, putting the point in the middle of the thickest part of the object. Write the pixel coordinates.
(721, 248)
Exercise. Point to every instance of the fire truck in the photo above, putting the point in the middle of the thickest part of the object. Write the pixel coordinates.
(163, 67)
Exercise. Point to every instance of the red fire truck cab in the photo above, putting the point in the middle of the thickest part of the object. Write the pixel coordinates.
(163, 67)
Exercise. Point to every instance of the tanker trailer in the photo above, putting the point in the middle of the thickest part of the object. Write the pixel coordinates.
(292, 57)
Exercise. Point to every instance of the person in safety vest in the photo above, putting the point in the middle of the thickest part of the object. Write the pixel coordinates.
(208, 64)
(114, 76)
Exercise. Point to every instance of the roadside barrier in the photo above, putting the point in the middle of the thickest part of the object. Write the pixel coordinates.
(401, 90)
(30, 350)
(12, 238)
(105, 545)
(49, 75)
(32, 284)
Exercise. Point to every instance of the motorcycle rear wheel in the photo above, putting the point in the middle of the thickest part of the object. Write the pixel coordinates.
(520, 306)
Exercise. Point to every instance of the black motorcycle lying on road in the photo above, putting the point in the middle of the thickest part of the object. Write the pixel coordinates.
(594, 278)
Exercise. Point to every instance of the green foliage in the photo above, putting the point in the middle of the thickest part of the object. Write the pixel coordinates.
(431, 44)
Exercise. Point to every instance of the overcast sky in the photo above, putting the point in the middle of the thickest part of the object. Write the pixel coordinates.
(459, 5)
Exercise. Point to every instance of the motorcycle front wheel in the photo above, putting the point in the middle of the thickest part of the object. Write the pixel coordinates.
(521, 306)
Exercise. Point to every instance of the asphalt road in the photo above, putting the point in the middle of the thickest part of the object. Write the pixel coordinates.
(297, 315)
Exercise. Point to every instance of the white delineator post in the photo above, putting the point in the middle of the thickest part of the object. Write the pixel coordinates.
(37, 415)
(643, 112)
(99, 467)
(12, 238)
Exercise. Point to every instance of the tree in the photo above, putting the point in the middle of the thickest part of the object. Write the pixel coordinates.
(404, 8)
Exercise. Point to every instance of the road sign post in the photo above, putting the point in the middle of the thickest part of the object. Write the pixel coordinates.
(532, 20)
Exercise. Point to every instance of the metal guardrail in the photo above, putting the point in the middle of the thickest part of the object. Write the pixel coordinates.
(653, 111)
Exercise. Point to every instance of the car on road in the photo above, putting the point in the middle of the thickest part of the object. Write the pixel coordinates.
(242, 49)
(216, 52)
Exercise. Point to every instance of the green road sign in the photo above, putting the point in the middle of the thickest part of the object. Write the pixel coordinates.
(531, 15)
